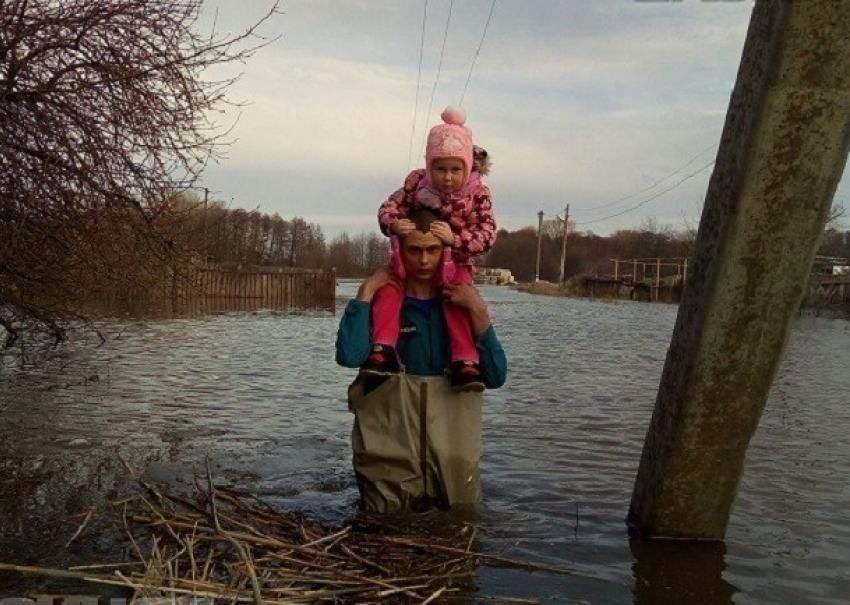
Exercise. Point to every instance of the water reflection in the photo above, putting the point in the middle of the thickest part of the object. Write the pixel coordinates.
(674, 572)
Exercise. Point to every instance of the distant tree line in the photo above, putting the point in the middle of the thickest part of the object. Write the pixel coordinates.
(590, 254)
(586, 252)
(223, 236)
(238, 236)
(212, 233)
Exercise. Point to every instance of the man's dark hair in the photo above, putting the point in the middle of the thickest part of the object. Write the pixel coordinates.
(423, 218)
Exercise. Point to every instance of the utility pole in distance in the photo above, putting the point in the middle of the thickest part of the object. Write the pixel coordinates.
(206, 236)
(564, 245)
(539, 242)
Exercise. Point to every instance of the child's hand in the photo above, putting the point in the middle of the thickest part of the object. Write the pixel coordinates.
(402, 227)
(442, 230)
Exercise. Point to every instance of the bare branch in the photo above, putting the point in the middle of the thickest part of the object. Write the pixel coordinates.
(106, 109)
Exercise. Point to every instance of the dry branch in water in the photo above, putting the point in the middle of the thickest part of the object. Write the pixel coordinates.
(231, 546)
(228, 545)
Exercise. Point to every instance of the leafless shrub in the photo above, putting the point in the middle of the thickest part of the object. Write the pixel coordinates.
(105, 114)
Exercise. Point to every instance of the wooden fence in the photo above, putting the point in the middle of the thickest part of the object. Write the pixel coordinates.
(244, 288)
(645, 279)
(828, 291)
(824, 291)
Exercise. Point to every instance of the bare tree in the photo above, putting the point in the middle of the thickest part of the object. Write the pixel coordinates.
(836, 213)
(105, 113)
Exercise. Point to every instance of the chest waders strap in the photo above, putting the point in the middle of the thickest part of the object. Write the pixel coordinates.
(416, 444)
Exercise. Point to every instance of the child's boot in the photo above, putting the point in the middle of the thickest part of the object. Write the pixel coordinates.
(466, 377)
(382, 361)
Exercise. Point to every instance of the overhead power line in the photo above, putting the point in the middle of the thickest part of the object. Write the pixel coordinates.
(649, 199)
(439, 67)
(655, 184)
(477, 51)
(418, 81)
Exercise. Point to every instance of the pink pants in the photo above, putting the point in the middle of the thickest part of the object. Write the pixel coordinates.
(386, 320)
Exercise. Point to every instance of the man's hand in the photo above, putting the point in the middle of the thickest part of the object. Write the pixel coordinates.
(442, 230)
(468, 297)
(381, 278)
(402, 227)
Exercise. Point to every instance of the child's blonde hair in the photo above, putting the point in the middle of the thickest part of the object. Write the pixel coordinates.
(480, 160)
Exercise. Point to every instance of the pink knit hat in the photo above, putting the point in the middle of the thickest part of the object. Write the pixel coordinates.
(450, 140)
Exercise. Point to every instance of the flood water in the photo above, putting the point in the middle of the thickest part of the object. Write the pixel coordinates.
(260, 394)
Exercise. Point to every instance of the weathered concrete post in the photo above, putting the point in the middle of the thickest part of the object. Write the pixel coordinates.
(539, 245)
(783, 150)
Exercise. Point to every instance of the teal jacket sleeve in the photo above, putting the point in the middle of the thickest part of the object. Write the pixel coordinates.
(494, 364)
(354, 337)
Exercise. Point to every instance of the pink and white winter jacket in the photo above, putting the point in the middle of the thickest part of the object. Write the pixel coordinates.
(468, 212)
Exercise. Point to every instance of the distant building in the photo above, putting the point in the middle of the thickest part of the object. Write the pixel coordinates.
(491, 276)
(831, 265)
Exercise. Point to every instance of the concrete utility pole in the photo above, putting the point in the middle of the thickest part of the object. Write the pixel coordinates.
(783, 150)
(564, 245)
(539, 244)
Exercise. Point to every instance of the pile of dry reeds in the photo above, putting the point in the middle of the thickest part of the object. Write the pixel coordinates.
(224, 544)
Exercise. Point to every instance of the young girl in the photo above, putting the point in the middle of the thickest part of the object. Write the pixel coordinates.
(451, 187)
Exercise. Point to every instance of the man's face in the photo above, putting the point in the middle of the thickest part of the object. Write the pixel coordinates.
(421, 253)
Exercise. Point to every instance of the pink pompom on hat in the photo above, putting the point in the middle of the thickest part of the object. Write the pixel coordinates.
(452, 139)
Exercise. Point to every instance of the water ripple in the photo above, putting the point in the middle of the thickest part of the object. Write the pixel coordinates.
(261, 395)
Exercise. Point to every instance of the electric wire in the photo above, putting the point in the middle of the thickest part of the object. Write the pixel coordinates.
(463, 94)
(477, 52)
(649, 199)
(654, 185)
(418, 82)
(439, 68)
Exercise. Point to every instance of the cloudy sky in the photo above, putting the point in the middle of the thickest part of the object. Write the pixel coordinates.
(614, 107)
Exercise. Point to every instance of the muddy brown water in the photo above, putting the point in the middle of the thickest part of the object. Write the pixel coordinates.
(259, 394)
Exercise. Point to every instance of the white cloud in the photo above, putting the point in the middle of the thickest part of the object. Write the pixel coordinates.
(329, 114)
(578, 102)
